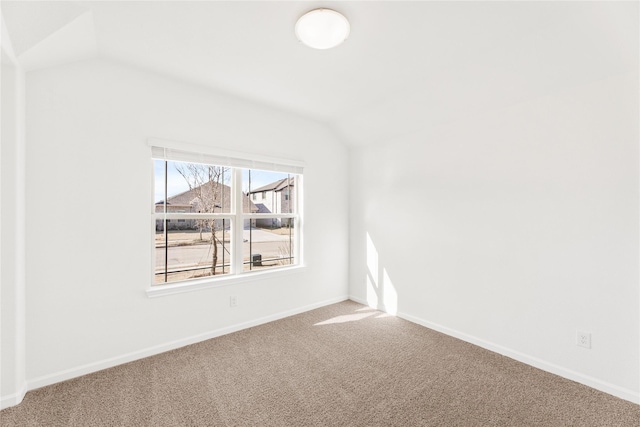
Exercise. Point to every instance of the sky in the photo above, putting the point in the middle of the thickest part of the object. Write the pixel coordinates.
(176, 184)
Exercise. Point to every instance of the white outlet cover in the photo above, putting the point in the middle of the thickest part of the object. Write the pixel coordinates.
(583, 339)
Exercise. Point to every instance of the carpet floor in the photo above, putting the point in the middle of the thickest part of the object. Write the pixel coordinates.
(340, 365)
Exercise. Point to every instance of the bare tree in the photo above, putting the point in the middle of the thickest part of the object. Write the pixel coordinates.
(206, 182)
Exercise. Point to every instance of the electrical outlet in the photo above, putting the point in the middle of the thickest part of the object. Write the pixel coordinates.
(233, 301)
(583, 339)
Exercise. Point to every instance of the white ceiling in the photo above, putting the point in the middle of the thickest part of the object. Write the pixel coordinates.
(405, 67)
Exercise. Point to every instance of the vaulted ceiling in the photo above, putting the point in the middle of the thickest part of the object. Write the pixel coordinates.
(405, 67)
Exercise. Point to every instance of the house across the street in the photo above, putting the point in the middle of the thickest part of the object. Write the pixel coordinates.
(277, 197)
(216, 194)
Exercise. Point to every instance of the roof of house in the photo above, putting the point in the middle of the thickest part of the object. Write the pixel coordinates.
(275, 186)
(214, 191)
(262, 208)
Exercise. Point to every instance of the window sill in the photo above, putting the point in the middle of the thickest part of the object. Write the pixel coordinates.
(195, 285)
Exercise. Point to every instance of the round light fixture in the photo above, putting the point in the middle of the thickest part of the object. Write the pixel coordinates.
(322, 28)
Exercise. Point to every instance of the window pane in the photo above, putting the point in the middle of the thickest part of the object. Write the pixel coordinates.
(268, 243)
(158, 182)
(190, 252)
(193, 187)
(268, 192)
(201, 247)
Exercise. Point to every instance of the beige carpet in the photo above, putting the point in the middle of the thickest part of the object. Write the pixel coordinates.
(341, 365)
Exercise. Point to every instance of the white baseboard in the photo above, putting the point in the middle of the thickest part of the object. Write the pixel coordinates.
(172, 345)
(587, 380)
(13, 399)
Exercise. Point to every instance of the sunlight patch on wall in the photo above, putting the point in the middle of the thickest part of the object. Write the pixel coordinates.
(372, 259)
(381, 292)
(389, 294)
(372, 273)
(372, 293)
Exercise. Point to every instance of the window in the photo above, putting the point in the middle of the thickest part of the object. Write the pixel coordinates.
(219, 231)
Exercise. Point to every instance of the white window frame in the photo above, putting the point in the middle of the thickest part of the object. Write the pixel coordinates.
(237, 162)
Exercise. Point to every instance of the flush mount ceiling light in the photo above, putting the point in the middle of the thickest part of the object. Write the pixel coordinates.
(322, 28)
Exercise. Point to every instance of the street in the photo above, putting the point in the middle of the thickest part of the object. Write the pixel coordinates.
(187, 251)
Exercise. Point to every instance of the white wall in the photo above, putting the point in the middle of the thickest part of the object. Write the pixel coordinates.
(12, 230)
(513, 230)
(88, 166)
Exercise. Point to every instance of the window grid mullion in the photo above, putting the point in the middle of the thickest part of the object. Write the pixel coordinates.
(269, 216)
(238, 220)
(183, 215)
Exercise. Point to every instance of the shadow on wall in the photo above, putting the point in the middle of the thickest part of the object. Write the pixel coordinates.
(380, 290)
